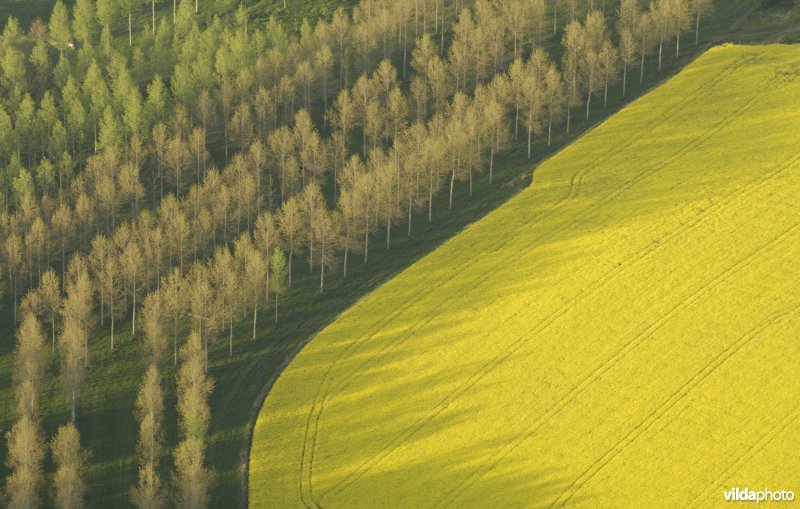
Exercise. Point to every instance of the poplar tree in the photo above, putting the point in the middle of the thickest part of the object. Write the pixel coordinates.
(281, 145)
(13, 257)
(594, 32)
(254, 275)
(151, 318)
(573, 41)
(172, 292)
(627, 54)
(659, 13)
(645, 36)
(326, 229)
(290, 223)
(130, 261)
(177, 158)
(24, 440)
(29, 364)
(69, 460)
(193, 388)
(77, 309)
(227, 285)
(279, 276)
(265, 237)
(83, 21)
(700, 8)
(149, 411)
(341, 116)
(72, 343)
(59, 27)
(49, 293)
(62, 222)
(609, 58)
(25, 459)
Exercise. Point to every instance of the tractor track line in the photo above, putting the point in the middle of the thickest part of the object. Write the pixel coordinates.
(675, 398)
(691, 145)
(663, 119)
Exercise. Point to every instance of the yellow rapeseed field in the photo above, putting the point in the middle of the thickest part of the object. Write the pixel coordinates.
(624, 333)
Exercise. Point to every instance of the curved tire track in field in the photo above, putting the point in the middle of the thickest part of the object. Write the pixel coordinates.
(690, 146)
(757, 447)
(689, 99)
(576, 181)
(720, 125)
(763, 180)
(668, 404)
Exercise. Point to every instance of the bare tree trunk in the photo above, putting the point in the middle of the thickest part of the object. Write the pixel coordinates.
(430, 204)
(291, 253)
(133, 320)
(697, 30)
(588, 99)
(366, 237)
(322, 270)
(112, 325)
(491, 163)
(452, 181)
(569, 114)
(175, 340)
(153, 6)
(346, 250)
(276, 308)
(205, 345)
(410, 207)
(624, 78)
(255, 316)
(641, 69)
(555, 16)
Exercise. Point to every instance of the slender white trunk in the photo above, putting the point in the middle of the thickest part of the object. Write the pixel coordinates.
(624, 78)
(133, 320)
(697, 30)
(452, 182)
(255, 316)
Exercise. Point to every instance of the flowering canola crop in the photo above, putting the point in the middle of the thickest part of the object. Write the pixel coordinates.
(623, 333)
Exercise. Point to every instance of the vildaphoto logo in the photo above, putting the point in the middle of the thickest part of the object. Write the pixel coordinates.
(765, 495)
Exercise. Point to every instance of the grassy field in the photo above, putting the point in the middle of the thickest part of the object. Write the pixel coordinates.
(621, 333)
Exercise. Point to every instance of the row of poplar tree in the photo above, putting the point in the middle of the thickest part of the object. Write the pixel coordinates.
(27, 447)
(110, 155)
